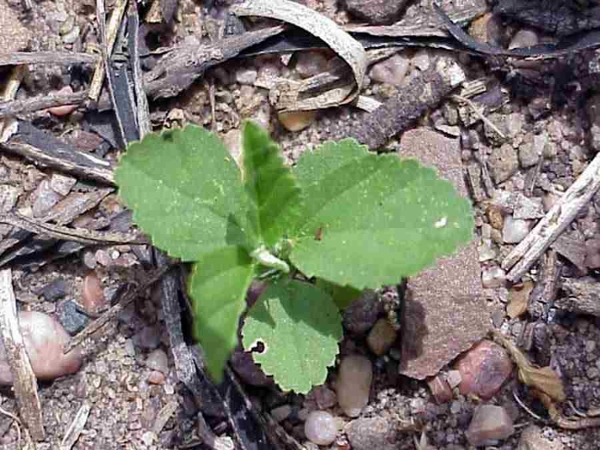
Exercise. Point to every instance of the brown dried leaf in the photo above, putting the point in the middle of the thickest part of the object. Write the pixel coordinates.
(518, 298)
(543, 379)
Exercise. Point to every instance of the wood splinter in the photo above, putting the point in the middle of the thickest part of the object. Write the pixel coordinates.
(24, 380)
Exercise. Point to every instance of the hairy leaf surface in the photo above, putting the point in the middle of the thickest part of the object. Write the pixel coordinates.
(373, 219)
(299, 326)
(186, 192)
(269, 184)
(218, 286)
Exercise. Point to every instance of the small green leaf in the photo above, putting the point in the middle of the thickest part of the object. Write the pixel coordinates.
(373, 219)
(269, 184)
(342, 295)
(299, 326)
(218, 287)
(186, 192)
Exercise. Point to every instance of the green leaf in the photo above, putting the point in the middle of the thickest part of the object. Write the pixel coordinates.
(299, 326)
(218, 286)
(373, 219)
(342, 295)
(269, 184)
(186, 192)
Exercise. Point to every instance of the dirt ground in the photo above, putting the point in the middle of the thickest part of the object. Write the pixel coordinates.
(138, 402)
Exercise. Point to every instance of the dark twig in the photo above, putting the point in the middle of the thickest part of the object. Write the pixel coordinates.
(81, 235)
(29, 105)
(62, 58)
(143, 111)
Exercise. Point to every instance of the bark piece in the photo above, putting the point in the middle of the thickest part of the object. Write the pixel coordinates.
(422, 93)
(25, 382)
(583, 296)
(446, 311)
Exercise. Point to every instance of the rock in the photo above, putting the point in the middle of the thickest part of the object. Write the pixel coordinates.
(518, 298)
(483, 369)
(354, 384)
(92, 294)
(8, 196)
(296, 120)
(320, 428)
(375, 433)
(362, 313)
(440, 389)
(54, 290)
(503, 162)
(156, 377)
(527, 208)
(446, 311)
(44, 339)
(158, 360)
(147, 338)
(281, 413)
(44, 199)
(391, 71)
(381, 337)
(322, 396)
(592, 254)
(572, 246)
(62, 184)
(311, 63)
(246, 75)
(528, 155)
(63, 110)
(490, 423)
(248, 370)
(70, 318)
(524, 38)
(493, 277)
(533, 438)
(13, 36)
(515, 230)
(376, 11)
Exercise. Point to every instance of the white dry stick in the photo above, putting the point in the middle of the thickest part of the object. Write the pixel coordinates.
(556, 220)
(76, 427)
(24, 380)
(8, 125)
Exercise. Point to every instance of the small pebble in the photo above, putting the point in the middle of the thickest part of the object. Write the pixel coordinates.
(157, 360)
(311, 63)
(490, 423)
(70, 318)
(63, 110)
(92, 294)
(54, 290)
(44, 199)
(62, 184)
(421, 60)
(44, 339)
(524, 38)
(246, 75)
(322, 396)
(493, 277)
(515, 230)
(483, 369)
(391, 71)
(320, 428)
(156, 377)
(440, 389)
(354, 384)
(362, 313)
(381, 337)
(532, 438)
(281, 413)
(454, 378)
(296, 120)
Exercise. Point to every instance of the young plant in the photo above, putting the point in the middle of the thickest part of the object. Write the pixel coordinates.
(351, 218)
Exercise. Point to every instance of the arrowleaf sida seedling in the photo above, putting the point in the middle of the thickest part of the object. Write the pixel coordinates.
(350, 218)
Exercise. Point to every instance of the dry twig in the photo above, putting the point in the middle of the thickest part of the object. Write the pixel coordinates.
(76, 427)
(25, 382)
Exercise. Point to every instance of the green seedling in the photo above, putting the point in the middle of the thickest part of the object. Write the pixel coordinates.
(341, 220)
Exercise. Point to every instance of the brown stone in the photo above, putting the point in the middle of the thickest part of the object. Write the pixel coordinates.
(13, 35)
(440, 389)
(484, 369)
(446, 311)
(92, 294)
(489, 424)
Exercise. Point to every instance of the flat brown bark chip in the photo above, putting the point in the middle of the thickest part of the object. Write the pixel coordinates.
(446, 311)
(13, 35)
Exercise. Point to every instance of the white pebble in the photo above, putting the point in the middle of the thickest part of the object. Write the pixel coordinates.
(157, 360)
(354, 384)
(514, 230)
(246, 76)
(494, 277)
(524, 38)
(320, 428)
